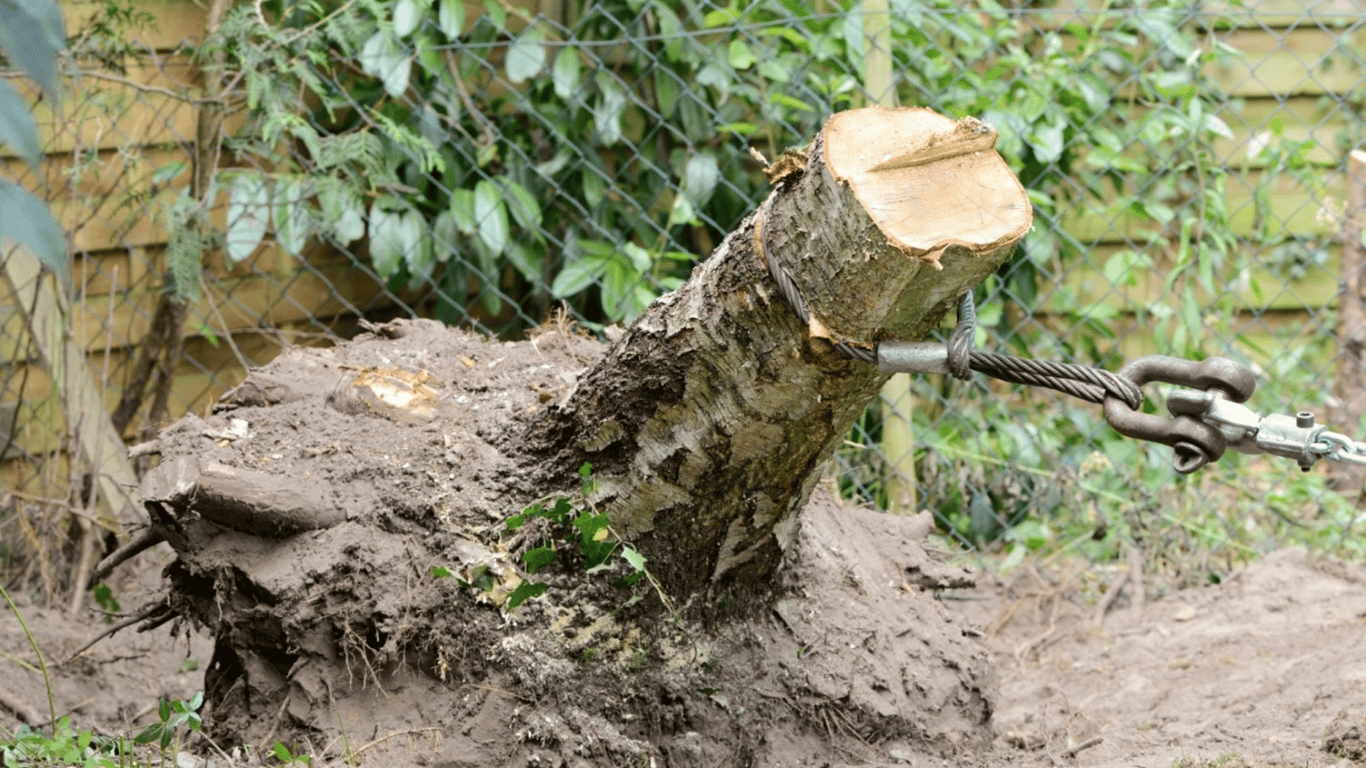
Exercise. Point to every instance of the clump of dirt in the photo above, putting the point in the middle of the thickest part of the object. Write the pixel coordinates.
(339, 521)
(1346, 737)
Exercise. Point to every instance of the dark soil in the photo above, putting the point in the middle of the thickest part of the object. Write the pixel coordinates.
(332, 633)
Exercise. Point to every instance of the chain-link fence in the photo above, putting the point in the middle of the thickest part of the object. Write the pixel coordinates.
(311, 165)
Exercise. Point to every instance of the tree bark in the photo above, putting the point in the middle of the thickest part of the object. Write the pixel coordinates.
(707, 423)
(346, 534)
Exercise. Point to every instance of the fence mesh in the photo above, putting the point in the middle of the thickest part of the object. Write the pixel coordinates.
(309, 166)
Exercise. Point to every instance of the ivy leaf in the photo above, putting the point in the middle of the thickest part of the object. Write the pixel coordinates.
(248, 215)
(633, 558)
(526, 57)
(451, 18)
(491, 216)
(564, 73)
(524, 591)
(538, 558)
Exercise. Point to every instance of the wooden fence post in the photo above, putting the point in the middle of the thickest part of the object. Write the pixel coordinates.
(1349, 388)
(897, 400)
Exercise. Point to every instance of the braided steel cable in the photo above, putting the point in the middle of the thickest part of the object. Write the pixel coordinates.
(789, 288)
(1080, 381)
(961, 341)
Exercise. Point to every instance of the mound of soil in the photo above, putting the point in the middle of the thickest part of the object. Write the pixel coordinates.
(340, 521)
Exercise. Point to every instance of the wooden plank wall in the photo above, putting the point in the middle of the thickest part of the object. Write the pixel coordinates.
(112, 136)
(1298, 77)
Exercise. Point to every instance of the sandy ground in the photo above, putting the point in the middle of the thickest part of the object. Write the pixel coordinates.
(857, 659)
(1262, 670)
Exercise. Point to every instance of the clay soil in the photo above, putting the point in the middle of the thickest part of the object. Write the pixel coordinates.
(875, 651)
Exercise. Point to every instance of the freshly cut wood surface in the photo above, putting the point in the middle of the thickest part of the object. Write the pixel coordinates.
(929, 181)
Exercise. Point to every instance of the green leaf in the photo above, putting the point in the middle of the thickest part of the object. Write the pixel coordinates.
(682, 212)
(526, 57)
(700, 177)
(538, 558)
(294, 222)
(788, 101)
(618, 280)
(740, 56)
(633, 558)
(28, 220)
(1046, 138)
(640, 258)
(16, 125)
(527, 263)
(163, 710)
(719, 17)
(522, 204)
(742, 129)
(565, 72)
(411, 231)
(586, 470)
(445, 236)
(149, 734)
(392, 229)
(524, 591)
(440, 572)
(31, 34)
(381, 56)
(607, 113)
(496, 13)
(594, 188)
(407, 15)
(491, 216)
(167, 173)
(350, 224)
(577, 276)
(462, 211)
(451, 18)
(248, 215)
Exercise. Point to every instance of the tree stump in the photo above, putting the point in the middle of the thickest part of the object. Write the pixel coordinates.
(341, 521)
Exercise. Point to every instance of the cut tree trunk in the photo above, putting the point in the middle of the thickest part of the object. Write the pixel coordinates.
(341, 520)
(708, 423)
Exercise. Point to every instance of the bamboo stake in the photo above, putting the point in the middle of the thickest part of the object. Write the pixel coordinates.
(898, 402)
